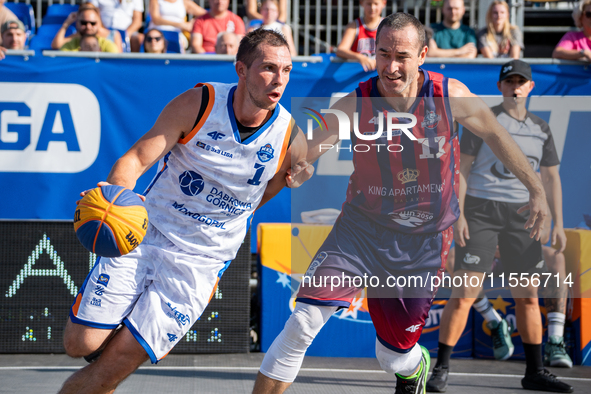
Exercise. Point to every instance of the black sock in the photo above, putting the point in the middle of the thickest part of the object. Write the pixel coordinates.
(533, 358)
(443, 355)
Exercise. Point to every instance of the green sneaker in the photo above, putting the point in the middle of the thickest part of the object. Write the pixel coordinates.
(555, 354)
(415, 384)
(500, 333)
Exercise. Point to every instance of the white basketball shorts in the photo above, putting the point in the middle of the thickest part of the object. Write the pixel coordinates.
(158, 291)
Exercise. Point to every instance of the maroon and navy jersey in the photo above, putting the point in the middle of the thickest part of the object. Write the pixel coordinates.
(414, 189)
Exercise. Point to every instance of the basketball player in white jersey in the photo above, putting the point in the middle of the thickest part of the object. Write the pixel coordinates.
(223, 150)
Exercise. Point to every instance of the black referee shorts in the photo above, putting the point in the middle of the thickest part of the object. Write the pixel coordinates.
(493, 223)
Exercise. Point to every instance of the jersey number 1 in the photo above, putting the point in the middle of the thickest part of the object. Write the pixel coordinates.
(256, 179)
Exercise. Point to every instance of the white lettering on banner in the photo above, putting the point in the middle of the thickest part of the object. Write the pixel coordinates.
(48, 127)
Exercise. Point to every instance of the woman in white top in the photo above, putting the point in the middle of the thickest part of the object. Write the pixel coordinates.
(270, 13)
(499, 38)
(170, 15)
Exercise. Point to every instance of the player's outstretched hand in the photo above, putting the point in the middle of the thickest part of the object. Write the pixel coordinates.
(538, 210)
(461, 233)
(298, 174)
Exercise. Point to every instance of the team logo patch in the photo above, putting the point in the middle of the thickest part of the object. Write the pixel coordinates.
(191, 183)
(411, 218)
(265, 153)
(103, 279)
(431, 119)
(320, 257)
(408, 175)
(471, 259)
(180, 318)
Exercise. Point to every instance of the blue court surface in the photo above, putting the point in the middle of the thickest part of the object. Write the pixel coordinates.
(235, 374)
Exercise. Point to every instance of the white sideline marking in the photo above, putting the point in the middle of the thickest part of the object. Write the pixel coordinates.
(207, 368)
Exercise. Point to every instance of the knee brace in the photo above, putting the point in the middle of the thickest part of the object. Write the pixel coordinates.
(284, 358)
(403, 364)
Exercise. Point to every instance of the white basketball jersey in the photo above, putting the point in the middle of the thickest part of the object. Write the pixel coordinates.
(210, 183)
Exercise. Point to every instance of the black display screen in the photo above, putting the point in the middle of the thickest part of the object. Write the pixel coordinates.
(42, 266)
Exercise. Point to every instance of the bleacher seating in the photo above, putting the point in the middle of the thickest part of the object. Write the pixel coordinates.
(58, 13)
(173, 39)
(45, 35)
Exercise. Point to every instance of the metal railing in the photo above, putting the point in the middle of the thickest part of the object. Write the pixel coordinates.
(318, 25)
(314, 27)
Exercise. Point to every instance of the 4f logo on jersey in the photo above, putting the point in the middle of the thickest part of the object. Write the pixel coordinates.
(413, 328)
(266, 153)
(216, 135)
(171, 337)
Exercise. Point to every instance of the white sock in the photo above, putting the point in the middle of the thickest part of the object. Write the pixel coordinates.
(486, 310)
(556, 324)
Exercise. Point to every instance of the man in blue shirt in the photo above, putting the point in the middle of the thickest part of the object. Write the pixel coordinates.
(451, 38)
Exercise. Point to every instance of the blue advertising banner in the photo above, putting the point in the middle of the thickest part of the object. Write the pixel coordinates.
(65, 121)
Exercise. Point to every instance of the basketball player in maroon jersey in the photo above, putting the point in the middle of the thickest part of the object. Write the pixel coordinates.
(399, 208)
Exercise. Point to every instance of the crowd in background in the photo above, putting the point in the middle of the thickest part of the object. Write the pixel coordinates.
(114, 26)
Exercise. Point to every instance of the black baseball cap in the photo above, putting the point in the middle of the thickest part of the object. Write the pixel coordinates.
(515, 67)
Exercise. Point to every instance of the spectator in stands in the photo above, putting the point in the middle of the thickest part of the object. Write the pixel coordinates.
(252, 13)
(88, 24)
(359, 40)
(154, 42)
(89, 44)
(170, 15)
(217, 20)
(122, 15)
(577, 45)
(5, 15)
(451, 38)
(13, 34)
(60, 38)
(499, 38)
(270, 12)
(227, 44)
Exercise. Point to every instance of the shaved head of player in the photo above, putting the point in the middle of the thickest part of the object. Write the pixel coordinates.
(400, 51)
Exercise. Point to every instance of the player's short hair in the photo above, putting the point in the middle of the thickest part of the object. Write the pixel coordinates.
(399, 21)
(248, 50)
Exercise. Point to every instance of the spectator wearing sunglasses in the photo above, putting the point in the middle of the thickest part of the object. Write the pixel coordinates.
(88, 23)
(576, 45)
(154, 42)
